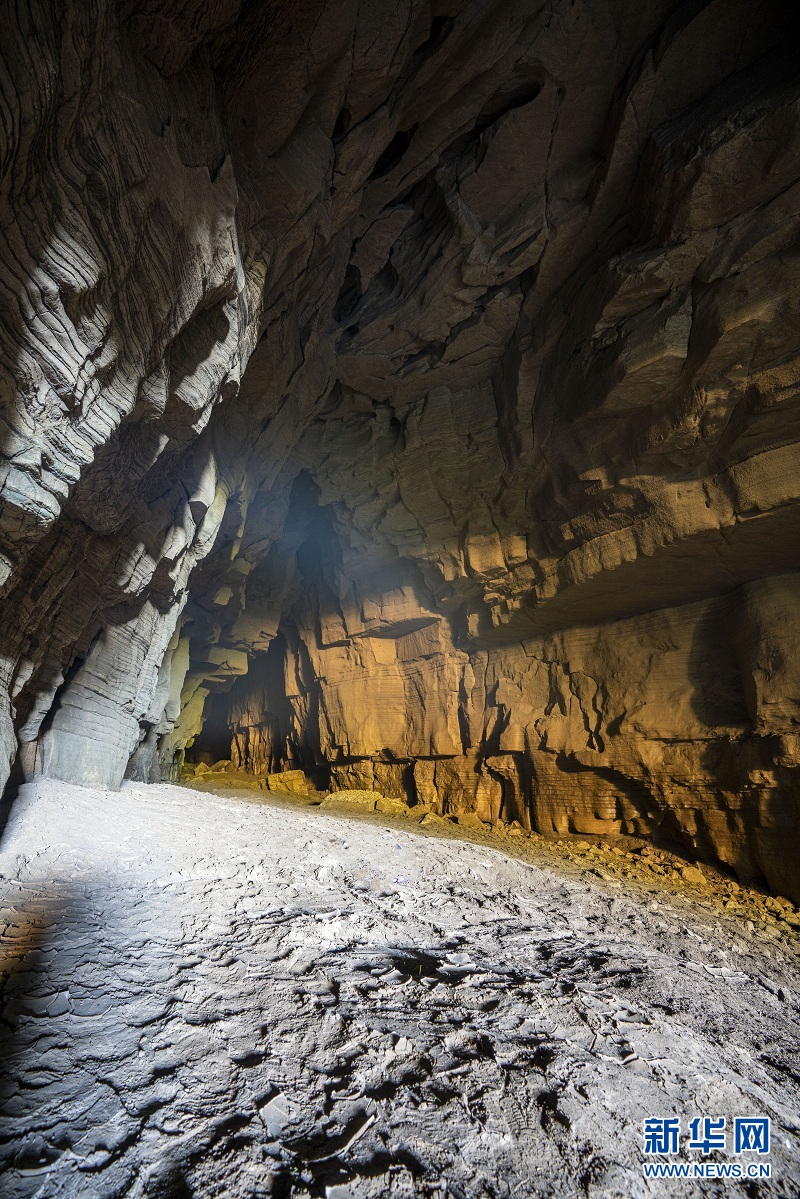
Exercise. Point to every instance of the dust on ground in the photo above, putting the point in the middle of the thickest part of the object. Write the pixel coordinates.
(231, 995)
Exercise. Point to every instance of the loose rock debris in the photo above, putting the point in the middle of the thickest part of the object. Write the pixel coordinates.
(210, 996)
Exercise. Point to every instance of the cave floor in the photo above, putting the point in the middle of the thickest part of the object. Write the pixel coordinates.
(210, 996)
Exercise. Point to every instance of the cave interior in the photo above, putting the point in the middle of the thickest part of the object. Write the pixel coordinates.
(400, 583)
(411, 403)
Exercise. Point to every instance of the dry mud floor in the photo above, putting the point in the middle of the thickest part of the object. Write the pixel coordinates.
(210, 996)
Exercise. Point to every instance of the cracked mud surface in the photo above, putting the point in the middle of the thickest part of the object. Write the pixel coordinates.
(212, 996)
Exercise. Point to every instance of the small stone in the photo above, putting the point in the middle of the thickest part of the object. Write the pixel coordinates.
(364, 801)
(470, 820)
(289, 782)
(392, 807)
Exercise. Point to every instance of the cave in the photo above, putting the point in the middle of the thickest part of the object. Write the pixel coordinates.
(400, 570)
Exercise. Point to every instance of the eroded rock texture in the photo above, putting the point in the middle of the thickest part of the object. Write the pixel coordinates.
(309, 1007)
(503, 514)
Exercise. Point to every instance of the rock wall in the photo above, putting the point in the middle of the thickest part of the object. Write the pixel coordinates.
(503, 513)
(128, 314)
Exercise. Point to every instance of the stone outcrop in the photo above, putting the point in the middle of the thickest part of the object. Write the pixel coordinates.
(502, 515)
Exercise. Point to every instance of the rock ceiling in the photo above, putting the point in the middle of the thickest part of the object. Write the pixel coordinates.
(419, 382)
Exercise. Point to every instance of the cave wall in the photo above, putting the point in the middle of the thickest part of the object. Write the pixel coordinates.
(128, 313)
(425, 381)
(674, 724)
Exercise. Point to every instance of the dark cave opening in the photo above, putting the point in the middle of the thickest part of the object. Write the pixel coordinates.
(252, 722)
(213, 743)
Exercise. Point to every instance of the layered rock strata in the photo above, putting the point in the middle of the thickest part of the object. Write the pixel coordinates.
(503, 514)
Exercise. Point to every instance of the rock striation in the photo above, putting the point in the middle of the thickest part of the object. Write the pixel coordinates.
(409, 396)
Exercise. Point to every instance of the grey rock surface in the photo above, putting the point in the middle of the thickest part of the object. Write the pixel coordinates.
(213, 996)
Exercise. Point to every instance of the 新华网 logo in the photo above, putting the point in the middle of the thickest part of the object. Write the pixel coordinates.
(706, 1135)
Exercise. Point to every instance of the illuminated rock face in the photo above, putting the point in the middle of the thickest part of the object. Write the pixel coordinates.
(503, 514)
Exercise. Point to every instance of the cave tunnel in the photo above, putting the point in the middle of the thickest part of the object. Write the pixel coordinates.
(399, 554)
(213, 742)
